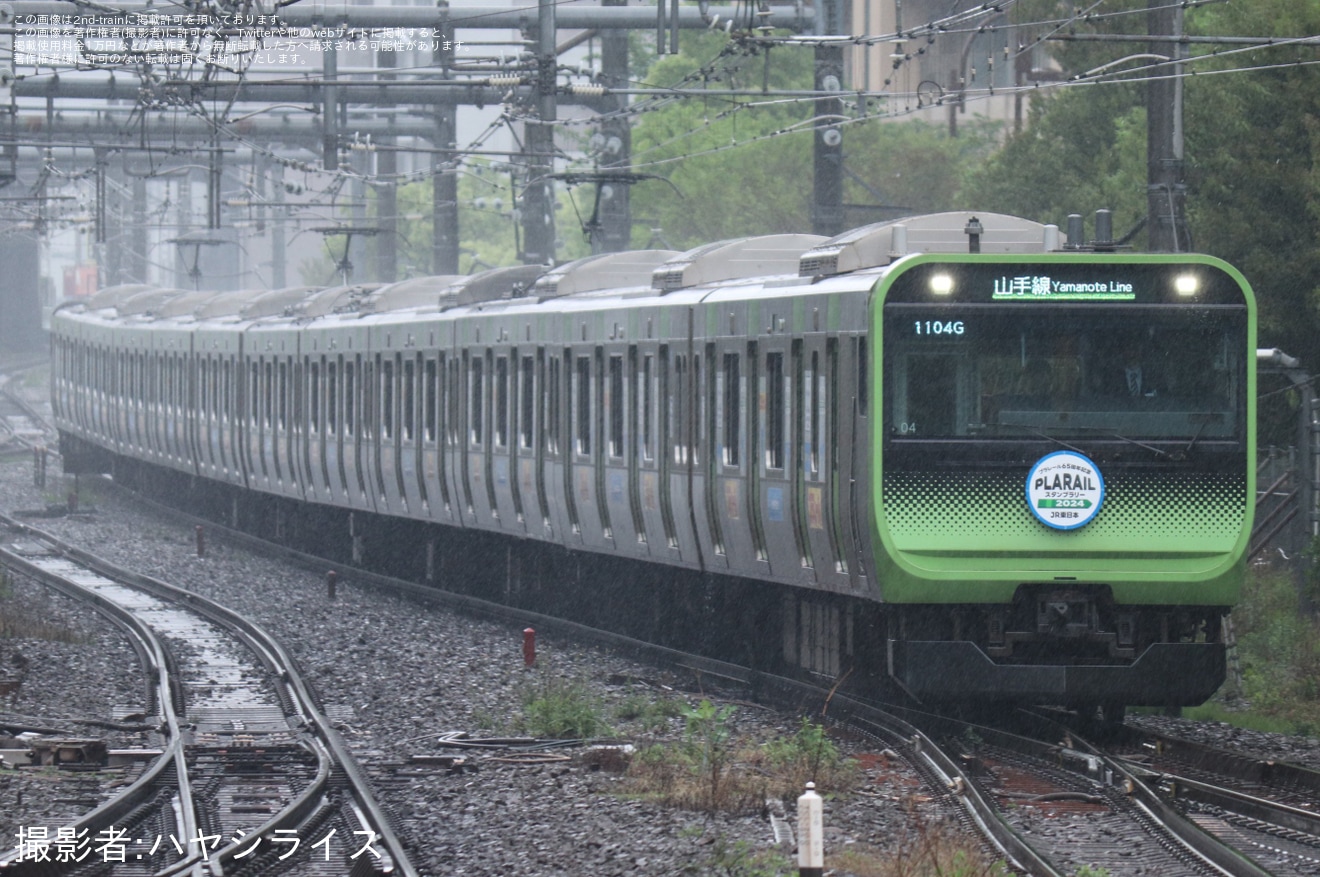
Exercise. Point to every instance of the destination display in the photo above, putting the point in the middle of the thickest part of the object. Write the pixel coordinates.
(1045, 287)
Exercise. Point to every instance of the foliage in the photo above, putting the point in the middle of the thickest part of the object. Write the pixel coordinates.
(808, 756)
(1279, 650)
(930, 850)
(1251, 200)
(561, 709)
(650, 713)
(742, 859)
(742, 166)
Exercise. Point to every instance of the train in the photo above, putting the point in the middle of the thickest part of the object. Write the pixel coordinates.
(960, 455)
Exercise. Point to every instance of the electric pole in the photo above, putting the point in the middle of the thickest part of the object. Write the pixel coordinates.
(1166, 190)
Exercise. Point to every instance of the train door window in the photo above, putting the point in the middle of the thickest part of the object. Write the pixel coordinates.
(832, 357)
(386, 366)
(476, 385)
(775, 402)
(527, 404)
(350, 399)
(614, 402)
(455, 401)
(811, 417)
(646, 392)
(582, 406)
(553, 397)
(314, 395)
(409, 394)
(226, 391)
(863, 377)
(731, 408)
(501, 402)
(678, 405)
(431, 405)
(697, 412)
(801, 389)
(284, 395)
(710, 396)
(268, 394)
(331, 397)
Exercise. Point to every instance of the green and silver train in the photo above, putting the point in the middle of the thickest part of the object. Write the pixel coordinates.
(948, 453)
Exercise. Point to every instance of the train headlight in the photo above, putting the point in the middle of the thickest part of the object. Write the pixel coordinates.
(1187, 284)
(941, 284)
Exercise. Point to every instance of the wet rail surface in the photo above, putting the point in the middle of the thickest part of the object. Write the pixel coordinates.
(1146, 817)
(251, 772)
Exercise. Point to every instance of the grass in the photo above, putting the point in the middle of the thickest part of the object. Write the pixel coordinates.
(19, 621)
(1278, 645)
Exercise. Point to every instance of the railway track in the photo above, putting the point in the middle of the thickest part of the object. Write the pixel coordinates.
(1157, 814)
(251, 769)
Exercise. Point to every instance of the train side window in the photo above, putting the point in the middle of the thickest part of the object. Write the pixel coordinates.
(614, 401)
(732, 409)
(476, 385)
(501, 402)
(582, 396)
(775, 405)
(432, 403)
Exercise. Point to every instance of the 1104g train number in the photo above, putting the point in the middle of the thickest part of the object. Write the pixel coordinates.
(938, 327)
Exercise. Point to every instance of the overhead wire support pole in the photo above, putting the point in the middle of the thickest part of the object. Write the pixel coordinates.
(1166, 189)
(538, 219)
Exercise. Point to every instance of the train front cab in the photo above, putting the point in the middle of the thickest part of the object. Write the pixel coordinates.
(1004, 581)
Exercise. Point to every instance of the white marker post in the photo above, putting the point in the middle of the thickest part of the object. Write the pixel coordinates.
(811, 833)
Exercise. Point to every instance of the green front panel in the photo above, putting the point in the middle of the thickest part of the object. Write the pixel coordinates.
(952, 527)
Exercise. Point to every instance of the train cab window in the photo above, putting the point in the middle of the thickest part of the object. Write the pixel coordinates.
(501, 411)
(775, 398)
(527, 404)
(431, 407)
(614, 401)
(582, 400)
(476, 388)
(731, 408)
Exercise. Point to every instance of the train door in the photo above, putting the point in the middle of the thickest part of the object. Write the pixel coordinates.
(528, 381)
(429, 459)
(677, 407)
(619, 458)
(651, 505)
(852, 460)
(456, 403)
(386, 437)
(556, 432)
(504, 481)
(332, 443)
(776, 533)
(476, 461)
(703, 449)
(352, 430)
(734, 370)
(584, 386)
(407, 470)
(819, 469)
(315, 487)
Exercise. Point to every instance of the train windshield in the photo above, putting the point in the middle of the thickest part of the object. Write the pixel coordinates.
(974, 371)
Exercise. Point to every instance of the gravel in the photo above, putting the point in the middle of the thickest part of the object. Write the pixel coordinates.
(393, 675)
